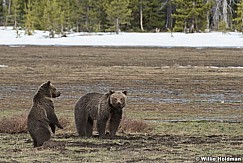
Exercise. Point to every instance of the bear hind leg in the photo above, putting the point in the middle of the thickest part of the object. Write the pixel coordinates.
(34, 142)
(42, 135)
(34, 139)
(81, 126)
(89, 127)
(81, 131)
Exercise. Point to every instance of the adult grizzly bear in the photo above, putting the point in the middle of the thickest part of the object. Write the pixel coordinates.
(105, 108)
(42, 114)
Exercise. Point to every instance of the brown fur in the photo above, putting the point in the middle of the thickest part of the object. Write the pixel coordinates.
(105, 108)
(42, 115)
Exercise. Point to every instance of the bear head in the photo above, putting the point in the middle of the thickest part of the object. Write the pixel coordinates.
(47, 89)
(118, 99)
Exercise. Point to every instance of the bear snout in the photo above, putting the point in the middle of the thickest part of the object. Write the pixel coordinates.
(119, 104)
(57, 94)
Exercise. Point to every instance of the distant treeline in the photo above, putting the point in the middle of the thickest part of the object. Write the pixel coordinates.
(61, 16)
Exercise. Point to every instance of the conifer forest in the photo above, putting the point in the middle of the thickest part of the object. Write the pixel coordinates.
(61, 16)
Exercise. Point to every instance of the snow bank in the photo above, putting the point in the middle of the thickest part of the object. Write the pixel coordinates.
(197, 40)
(3, 66)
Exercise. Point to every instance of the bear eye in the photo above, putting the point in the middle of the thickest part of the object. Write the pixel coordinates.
(121, 99)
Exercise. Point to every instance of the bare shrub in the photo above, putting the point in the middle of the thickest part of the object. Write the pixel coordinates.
(18, 124)
(66, 123)
(128, 125)
(134, 126)
(50, 144)
(13, 125)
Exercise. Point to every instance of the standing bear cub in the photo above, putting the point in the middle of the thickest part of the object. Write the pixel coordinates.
(42, 114)
(105, 108)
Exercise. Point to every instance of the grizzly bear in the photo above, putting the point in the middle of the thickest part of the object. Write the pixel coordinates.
(42, 114)
(105, 108)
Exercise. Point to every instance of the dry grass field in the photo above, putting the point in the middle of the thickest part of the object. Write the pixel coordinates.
(183, 103)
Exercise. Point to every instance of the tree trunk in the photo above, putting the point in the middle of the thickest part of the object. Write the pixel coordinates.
(77, 26)
(9, 6)
(117, 26)
(169, 16)
(216, 15)
(8, 13)
(225, 13)
(141, 15)
(208, 21)
(15, 20)
(193, 25)
(4, 3)
(87, 19)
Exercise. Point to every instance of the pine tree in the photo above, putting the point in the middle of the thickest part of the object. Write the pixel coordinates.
(1, 12)
(15, 12)
(53, 16)
(138, 8)
(76, 15)
(155, 17)
(69, 14)
(6, 11)
(168, 12)
(58, 16)
(44, 15)
(118, 13)
(147, 15)
(10, 11)
(239, 19)
(30, 18)
(190, 15)
(90, 16)
(38, 11)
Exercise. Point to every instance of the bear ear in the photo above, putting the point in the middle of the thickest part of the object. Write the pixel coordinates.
(48, 83)
(124, 92)
(111, 92)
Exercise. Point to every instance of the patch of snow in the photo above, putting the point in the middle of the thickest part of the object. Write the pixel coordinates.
(208, 67)
(230, 67)
(16, 46)
(3, 66)
(237, 67)
(196, 40)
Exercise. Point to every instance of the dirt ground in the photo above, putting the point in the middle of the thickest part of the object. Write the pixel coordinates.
(192, 97)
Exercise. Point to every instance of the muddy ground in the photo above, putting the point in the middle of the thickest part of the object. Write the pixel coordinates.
(191, 97)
